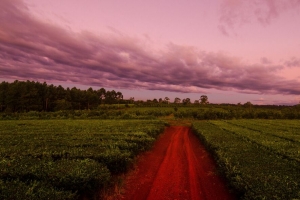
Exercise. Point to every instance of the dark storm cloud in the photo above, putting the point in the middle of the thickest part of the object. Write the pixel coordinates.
(35, 50)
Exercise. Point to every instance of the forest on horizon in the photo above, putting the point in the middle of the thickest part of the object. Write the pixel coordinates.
(25, 96)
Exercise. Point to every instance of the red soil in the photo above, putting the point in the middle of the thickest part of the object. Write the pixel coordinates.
(178, 167)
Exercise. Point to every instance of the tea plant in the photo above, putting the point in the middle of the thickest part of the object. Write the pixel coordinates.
(257, 164)
(69, 157)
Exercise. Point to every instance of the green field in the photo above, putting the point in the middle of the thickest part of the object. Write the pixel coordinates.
(62, 159)
(66, 158)
(260, 158)
(179, 111)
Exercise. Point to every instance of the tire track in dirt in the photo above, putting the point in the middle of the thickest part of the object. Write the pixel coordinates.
(178, 167)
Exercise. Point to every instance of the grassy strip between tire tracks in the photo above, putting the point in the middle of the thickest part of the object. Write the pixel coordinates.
(254, 169)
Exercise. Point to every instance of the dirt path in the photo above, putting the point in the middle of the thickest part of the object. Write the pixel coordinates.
(178, 167)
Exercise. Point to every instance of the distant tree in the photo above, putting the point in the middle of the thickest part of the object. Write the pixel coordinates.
(21, 96)
(131, 99)
(51, 97)
(196, 102)
(3, 95)
(110, 97)
(76, 99)
(186, 101)
(139, 102)
(160, 100)
(155, 101)
(13, 96)
(119, 96)
(101, 94)
(248, 105)
(298, 106)
(204, 99)
(61, 92)
(177, 100)
(167, 100)
(62, 104)
(91, 97)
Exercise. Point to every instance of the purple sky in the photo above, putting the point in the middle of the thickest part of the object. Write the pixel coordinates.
(231, 50)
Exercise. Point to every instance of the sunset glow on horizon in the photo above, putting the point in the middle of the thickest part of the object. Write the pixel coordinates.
(233, 51)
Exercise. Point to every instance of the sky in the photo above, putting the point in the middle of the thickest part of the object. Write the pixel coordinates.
(233, 51)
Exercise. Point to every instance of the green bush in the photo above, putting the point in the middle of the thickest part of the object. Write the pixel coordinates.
(254, 157)
(32, 190)
(75, 175)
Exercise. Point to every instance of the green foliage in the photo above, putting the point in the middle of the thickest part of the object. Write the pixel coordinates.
(260, 158)
(104, 112)
(199, 112)
(21, 96)
(204, 99)
(72, 157)
(32, 190)
(84, 175)
(214, 112)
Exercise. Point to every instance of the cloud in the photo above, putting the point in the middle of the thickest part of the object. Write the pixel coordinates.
(265, 61)
(293, 62)
(35, 50)
(236, 12)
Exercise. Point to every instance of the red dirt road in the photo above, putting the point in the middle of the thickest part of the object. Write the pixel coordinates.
(178, 167)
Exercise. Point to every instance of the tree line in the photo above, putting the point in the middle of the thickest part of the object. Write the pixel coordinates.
(24, 96)
(186, 101)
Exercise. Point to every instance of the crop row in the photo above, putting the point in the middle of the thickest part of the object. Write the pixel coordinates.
(103, 113)
(71, 157)
(254, 167)
(277, 143)
(285, 129)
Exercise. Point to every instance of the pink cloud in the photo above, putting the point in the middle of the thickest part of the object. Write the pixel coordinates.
(293, 62)
(265, 61)
(236, 12)
(35, 50)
